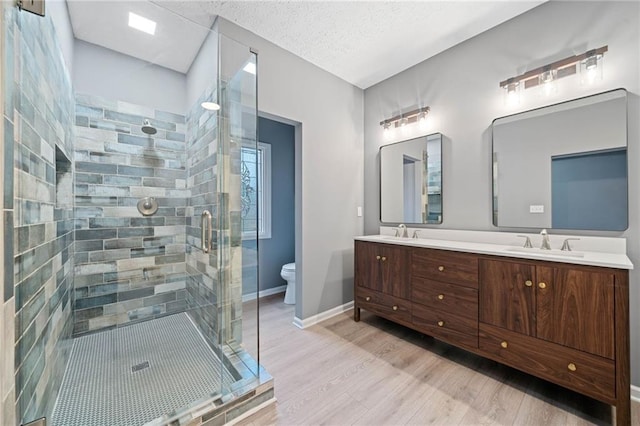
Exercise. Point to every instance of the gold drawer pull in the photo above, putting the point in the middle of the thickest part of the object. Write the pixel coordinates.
(377, 257)
(367, 298)
(440, 323)
(542, 285)
(384, 258)
(395, 307)
(528, 283)
(441, 296)
(571, 367)
(504, 344)
(440, 268)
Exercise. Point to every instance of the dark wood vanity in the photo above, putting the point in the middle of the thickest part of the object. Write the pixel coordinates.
(562, 322)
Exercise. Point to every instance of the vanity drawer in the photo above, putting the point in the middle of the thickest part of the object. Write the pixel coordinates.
(448, 266)
(442, 324)
(390, 307)
(452, 298)
(588, 374)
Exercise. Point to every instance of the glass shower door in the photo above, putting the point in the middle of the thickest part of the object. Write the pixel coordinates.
(239, 190)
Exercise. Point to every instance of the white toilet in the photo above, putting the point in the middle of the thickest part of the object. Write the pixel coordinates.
(288, 273)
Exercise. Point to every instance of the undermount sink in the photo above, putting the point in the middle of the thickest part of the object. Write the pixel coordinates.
(553, 252)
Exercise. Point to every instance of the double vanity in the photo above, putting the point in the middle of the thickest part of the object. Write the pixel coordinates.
(561, 315)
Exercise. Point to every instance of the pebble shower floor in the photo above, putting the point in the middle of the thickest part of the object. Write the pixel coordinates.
(131, 375)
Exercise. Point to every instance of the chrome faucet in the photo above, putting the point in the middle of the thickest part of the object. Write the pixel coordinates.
(401, 231)
(565, 244)
(527, 241)
(415, 234)
(546, 245)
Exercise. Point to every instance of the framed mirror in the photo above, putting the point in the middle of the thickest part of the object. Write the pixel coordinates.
(563, 166)
(411, 181)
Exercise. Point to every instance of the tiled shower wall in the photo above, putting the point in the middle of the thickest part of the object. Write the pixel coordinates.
(202, 268)
(129, 267)
(38, 124)
(214, 280)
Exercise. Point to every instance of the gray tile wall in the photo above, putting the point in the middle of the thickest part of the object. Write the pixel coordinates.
(38, 120)
(214, 283)
(128, 267)
(202, 268)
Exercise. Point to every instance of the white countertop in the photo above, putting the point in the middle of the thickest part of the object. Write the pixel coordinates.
(579, 257)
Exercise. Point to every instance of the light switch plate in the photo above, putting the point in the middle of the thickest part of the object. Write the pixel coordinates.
(33, 6)
(536, 208)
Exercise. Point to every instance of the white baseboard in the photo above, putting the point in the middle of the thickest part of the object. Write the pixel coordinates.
(308, 322)
(268, 292)
(635, 393)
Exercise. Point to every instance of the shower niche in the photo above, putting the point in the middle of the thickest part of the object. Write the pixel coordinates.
(121, 316)
(64, 180)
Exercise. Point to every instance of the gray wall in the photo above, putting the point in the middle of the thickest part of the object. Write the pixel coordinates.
(127, 79)
(204, 69)
(329, 143)
(280, 248)
(461, 86)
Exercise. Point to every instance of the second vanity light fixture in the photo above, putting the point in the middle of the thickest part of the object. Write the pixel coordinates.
(589, 63)
(400, 121)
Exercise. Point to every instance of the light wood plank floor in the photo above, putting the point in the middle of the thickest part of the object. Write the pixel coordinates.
(375, 372)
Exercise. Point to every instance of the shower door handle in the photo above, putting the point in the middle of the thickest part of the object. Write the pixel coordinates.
(205, 226)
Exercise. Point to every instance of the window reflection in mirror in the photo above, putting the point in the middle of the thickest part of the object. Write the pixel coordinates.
(411, 181)
(563, 166)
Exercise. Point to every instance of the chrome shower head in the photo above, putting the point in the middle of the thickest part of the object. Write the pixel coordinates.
(148, 128)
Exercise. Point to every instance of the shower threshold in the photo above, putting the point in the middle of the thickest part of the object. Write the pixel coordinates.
(132, 375)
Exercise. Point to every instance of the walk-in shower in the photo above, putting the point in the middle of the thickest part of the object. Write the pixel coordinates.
(125, 206)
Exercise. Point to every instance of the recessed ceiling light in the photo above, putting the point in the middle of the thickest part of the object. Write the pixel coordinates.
(250, 68)
(211, 106)
(142, 24)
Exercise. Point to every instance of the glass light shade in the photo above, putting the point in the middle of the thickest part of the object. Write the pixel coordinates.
(591, 69)
(404, 129)
(387, 132)
(422, 120)
(547, 76)
(512, 93)
(547, 82)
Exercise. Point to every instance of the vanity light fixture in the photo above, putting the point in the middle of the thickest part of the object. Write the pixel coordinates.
(402, 120)
(590, 64)
(591, 67)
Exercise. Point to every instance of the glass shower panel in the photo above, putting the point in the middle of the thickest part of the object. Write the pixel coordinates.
(125, 313)
(239, 188)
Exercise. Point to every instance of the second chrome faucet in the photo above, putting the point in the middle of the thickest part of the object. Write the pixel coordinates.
(546, 245)
(401, 231)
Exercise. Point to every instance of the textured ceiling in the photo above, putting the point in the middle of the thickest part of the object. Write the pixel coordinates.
(363, 42)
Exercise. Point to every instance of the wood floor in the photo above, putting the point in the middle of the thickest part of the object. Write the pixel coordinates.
(375, 372)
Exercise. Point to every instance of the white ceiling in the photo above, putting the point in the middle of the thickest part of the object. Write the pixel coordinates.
(363, 42)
